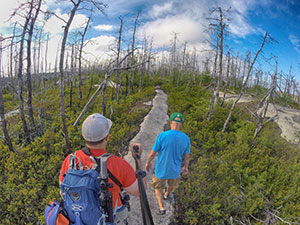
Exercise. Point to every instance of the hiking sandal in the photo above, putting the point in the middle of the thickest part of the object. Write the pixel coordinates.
(165, 197)
(161, 212)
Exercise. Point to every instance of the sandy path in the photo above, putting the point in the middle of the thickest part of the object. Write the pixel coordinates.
(152, 125)
(288, 118)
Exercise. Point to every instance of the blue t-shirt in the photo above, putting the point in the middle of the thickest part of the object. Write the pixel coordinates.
(171, 145)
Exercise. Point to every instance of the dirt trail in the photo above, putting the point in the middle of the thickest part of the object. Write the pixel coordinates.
(288, 118)
(152, 125)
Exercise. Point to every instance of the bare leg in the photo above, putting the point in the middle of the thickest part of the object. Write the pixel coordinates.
(169, 190)
(159, 196)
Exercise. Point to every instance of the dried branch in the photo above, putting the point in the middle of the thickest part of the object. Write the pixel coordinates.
(102, 85)
(245, 83)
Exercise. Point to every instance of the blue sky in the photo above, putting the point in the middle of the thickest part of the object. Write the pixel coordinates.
(160, 19)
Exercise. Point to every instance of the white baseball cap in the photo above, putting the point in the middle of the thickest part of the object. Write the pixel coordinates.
(95, 127)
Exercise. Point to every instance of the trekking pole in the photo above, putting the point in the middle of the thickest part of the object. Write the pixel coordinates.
(140, 174)
(105, 195)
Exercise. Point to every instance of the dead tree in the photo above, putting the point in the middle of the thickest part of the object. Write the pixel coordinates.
(221, 27)
(11, 74)
(82, 35)
(262, 108)
(194, 65)
(38, 60)
(28, 72)
(227, 79)
(131, 73)
(88, 5)
(73, 56)
(103, 85)
(7, 138)
(143, 58)
(174, 59)
(213, 86)
(61, 70)
(182, 67)
(46, 63)
(288, 82)
(20, 75)
(244, 84)
(119, 45)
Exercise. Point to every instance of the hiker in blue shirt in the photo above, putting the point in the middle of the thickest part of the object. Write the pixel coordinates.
(172, 146)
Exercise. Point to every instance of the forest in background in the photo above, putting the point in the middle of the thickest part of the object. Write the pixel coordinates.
(242, 170)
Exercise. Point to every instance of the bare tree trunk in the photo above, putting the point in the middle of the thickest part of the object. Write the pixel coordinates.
(131, 77)
(127, 75)
(221, 30)
(227, 79)
(194, 65)
(245, 83)
(262, 108)
(183, 67)
(72, 74)
(29, 83)
(174, 59)
(91, 84)
(20, 77)
(118, 58)
(67, 71)
(46, 64)
(80, 55)
(7, 139)
(41, 79)
(213, 86)
(103, 85)
(103, 95)
(143, 58)
(55, 66)
(61, 69)
(11, 63)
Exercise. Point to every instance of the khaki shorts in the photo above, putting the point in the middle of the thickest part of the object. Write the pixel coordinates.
(160, 183)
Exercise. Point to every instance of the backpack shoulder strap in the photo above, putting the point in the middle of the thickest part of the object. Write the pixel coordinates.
(72, 162)
(96, 166)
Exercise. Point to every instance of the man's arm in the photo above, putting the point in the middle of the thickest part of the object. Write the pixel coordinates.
(185, 168)
(150, 157)
(133, 189)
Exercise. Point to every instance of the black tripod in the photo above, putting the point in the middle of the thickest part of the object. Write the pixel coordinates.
(105, 195)
(140, 174)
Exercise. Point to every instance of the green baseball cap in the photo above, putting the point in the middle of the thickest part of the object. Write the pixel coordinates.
(177, 117)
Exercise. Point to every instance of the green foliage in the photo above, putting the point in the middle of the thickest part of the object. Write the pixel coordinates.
(258, 91)
(229, 180)
(29, 177)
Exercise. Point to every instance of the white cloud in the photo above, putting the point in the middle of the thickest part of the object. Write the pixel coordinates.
(162, 30)
(7, 9)
(104, 27)
(189, 17)
(239, 26)
(98, 47)
(158, 10)
(295, 41)
(54, 25)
